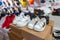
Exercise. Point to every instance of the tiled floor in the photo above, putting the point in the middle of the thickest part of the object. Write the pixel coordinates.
(56, 23)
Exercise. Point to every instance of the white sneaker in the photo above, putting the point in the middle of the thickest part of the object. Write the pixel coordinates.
(33, 22)
(40, 26)
(24, 21)
(46, 10)
(18, 18)
(15, 20)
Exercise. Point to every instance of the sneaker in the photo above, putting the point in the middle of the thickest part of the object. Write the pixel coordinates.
(46, 10)
(33, 22)
(17, 18)
(40, 26)
(24, 21)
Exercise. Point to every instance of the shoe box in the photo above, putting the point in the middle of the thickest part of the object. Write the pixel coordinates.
(51, 23)
(33, 35)
(14, 36)
(49, 37)
(16, 29)
(27, 34)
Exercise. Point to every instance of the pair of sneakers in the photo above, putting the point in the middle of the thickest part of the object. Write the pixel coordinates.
(21, 20)
(37, 24)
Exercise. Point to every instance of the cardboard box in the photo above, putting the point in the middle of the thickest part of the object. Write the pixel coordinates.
(33, 35)
(49, 37)
(16, 30)
(14, 36)
(28, 34)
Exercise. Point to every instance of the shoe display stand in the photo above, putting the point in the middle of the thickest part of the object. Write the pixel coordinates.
(17, 33)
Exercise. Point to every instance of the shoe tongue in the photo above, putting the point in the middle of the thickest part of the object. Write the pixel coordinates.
(26, 17)
(37, 18)
(43, 19)
(22, 14)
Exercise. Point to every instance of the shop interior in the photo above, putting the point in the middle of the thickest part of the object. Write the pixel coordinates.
(29, 19)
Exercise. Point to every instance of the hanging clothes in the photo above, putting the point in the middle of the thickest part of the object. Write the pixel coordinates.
(8, 21)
